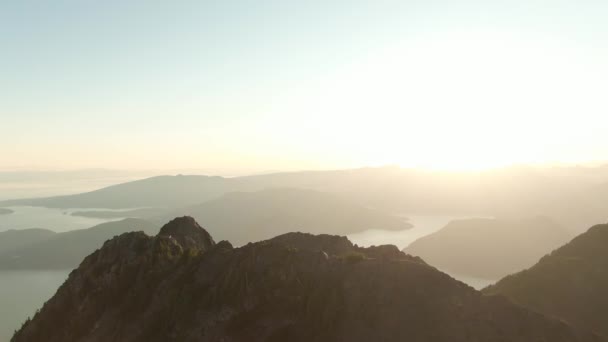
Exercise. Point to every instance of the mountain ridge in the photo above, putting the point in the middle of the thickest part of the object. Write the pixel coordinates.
(570, 283)
(295, 287)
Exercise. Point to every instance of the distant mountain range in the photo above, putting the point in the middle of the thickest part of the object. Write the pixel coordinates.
(490, 248)
(241, 217)
(570, 283)
(162, 192)
(12, 240)
(183, 286)
(575, 197)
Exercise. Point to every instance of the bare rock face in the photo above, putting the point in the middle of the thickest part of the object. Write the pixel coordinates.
(296, 287)
(188, 234)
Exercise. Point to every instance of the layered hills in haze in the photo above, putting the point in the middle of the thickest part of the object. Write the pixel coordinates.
(40, 249)
(575, 197)
(490, 248)
(571, 283)
(182, 286)
(243, 217)
(161, 191)
(240, 217)
(14, 239)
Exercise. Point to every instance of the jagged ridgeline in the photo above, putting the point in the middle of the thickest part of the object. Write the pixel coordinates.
(182, 286)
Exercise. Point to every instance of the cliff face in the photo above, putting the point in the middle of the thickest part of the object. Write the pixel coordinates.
(296, 287)
(571, 283)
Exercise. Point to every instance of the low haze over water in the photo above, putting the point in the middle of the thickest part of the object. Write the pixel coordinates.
(22, 293)
(58, 220)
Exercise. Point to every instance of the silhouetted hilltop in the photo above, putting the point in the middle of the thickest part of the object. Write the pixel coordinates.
(291, 288)
(490, 248)
(570, 283)
(42, 249)
(188, 234)
(243, 217)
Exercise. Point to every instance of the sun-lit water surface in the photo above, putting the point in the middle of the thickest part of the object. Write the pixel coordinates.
(58, 220)
(422, 226)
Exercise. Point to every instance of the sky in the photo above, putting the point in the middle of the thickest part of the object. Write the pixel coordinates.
(285, 85)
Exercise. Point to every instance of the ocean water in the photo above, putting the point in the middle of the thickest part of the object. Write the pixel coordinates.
(22, 293)
(58, 220)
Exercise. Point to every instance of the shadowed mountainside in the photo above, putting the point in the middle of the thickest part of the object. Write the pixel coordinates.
(296, 287)
(490, 248)
(43, 249)
(570, 283)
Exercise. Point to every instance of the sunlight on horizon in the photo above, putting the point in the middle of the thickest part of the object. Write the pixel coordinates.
(464, 94)
(458, 101)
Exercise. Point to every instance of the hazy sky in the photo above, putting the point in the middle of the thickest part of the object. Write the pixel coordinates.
(301, 84)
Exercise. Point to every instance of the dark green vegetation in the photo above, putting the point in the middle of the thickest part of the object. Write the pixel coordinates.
(253, 216)
(37, 249)
(575, 197)
(4, 211)
(571, 283)
(490, 248)
(182, 286)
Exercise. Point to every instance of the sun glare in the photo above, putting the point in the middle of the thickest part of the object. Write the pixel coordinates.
(461, 101)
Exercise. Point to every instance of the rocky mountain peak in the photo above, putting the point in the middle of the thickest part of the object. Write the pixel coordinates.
(188, 233)
(295, 287)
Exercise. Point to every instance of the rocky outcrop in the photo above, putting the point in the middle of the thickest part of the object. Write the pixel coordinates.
(296, 287)
(188, 234)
